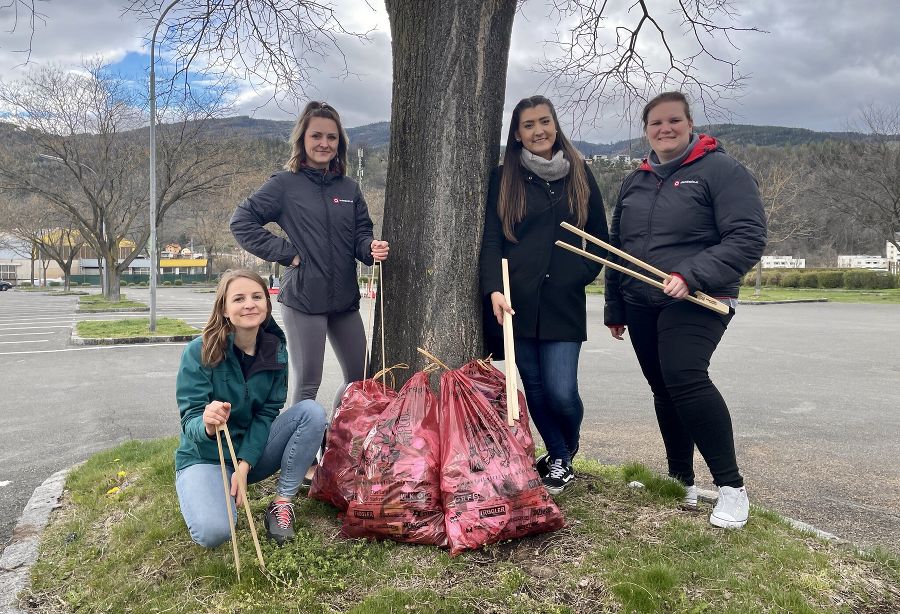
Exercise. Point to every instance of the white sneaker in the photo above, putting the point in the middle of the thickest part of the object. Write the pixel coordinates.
(732, 509)
(690, 498)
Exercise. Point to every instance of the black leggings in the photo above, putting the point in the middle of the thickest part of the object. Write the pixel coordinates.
(674, 345)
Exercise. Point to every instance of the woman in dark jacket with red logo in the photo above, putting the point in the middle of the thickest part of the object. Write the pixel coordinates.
(328, 228)
(694, 211)
(543, 181)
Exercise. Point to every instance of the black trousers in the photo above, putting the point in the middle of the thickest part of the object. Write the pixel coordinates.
(674, 345)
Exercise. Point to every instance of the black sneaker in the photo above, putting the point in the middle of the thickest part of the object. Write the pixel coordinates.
(280, 521)
(542, 464)
(559, 476)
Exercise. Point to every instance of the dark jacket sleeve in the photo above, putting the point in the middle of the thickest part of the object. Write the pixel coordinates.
(363, 230)
(596, 225)
(492, 240)
(614, 308)
(249, 220)
(741, 221)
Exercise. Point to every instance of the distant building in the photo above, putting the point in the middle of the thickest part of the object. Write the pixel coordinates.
(783, 262)
(859, 261)
(893, 254)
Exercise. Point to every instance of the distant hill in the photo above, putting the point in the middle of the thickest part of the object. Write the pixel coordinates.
(373, 135)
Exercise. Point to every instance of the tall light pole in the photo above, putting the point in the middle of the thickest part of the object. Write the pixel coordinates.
(101, 262)
(154, 257)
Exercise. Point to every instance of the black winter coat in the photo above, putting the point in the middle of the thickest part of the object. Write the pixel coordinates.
(546, 282)
(327, 223)
(705, 222)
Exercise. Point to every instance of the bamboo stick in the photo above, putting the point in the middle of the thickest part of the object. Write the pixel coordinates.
(705, 299)
(509, 350)
(234, 548)
(243, 494)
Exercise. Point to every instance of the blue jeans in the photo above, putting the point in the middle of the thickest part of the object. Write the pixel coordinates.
(549, 371)
(293, 442)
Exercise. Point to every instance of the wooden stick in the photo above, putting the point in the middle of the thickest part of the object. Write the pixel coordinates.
(243, 494)
(433, 358)
(509, 350)
(381, 311)
(234, 548)
(706, 301)
(369, 319)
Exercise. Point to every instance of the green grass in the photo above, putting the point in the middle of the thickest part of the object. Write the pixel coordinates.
(623, 550)
(836, 295)
(133, 327)
(97, 302)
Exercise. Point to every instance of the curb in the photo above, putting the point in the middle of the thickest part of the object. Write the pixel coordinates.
(115, 310)
(76, 340)
(22, 551)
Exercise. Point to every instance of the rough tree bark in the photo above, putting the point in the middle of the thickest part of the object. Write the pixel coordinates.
(449, 79)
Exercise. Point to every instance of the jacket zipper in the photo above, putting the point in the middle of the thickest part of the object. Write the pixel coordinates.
(330, 245)
(659, 183)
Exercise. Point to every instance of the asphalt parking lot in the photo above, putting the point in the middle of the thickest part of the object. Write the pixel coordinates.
(812, 389)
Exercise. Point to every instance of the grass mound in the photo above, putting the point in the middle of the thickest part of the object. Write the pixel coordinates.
(118, 543)
(97, 302)
(133, 327)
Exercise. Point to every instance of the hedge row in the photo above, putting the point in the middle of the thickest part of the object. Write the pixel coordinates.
(854, 279)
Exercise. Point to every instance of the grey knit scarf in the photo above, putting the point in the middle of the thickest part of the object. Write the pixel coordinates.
(555, 168)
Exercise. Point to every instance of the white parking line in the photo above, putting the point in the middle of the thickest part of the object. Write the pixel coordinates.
(34, 341)
(95, 347)
(5, 483)
(33, 327)
(19, 334)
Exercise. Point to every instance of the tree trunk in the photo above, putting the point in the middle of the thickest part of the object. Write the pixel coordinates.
(111, 272)
(449, 79)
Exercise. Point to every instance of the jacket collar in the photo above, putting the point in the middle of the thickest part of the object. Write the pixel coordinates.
(270, 348)
(318, 175)
(705, 144)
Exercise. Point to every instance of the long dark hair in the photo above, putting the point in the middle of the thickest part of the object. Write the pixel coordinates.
(511, 203)
(338, 164)
(217, 329)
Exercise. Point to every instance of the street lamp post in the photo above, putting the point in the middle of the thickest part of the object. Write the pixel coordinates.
(154, 257)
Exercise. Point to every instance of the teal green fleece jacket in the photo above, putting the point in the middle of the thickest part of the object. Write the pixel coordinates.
(255, 401)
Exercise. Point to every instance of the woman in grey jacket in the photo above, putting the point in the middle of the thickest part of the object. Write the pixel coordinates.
(328, 229)
(694, 211)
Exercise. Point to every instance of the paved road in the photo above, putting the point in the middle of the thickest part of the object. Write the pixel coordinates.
(812, 389)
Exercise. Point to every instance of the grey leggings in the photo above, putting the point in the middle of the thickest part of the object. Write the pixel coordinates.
(306, 349)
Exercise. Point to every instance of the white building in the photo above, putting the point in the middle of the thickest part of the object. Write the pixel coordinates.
(893, 254)
(783, 262)
(859, 261)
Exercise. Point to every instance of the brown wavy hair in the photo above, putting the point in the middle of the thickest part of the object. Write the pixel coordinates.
(338, 164)
(217, 329)
(511, 203)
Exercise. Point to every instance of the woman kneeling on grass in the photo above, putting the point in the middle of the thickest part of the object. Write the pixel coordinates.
(236, 374)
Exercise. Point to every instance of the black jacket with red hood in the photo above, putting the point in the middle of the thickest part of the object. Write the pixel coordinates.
(705, 222)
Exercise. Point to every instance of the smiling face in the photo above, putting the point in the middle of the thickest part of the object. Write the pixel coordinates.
(537, 130)
(668, 130)
(246, 304)
(320, 141)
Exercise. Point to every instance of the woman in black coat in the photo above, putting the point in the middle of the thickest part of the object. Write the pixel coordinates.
(543, 181)
(694, 211)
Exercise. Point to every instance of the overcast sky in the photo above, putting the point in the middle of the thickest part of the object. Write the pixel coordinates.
(819, 63)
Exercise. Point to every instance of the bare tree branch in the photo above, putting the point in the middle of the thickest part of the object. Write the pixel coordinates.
(604, 66)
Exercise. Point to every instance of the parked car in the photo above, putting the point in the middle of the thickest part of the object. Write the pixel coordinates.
(5, 285)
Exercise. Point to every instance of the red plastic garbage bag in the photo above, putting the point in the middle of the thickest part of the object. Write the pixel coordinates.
(489, 487)
(491, 382)
(398, 479)
(335, 479)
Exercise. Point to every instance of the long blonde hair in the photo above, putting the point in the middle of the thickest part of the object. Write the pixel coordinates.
(338, 164)
(511, 203)
(217, 329)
